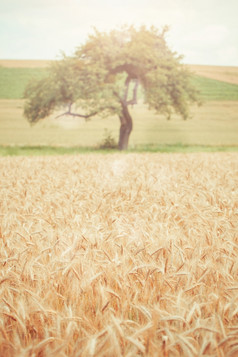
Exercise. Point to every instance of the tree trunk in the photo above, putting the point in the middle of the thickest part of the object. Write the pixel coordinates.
(125, 128)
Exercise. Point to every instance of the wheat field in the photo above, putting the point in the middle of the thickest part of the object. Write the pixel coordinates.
(119, 255)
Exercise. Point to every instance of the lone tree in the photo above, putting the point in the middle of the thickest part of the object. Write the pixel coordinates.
(103, 77)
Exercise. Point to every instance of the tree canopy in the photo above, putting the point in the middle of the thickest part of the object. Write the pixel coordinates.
(103, 76)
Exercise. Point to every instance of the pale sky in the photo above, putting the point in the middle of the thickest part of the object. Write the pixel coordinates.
(204, 31)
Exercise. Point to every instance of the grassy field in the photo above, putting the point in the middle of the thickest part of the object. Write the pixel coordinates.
(123, 255)
(212, 89)
(14, 80)
(212, 126)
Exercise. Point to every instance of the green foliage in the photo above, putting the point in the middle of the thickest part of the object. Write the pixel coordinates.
(42, 101)
(142, 54)
(13, 81)
(69, 82)
(97, 77)
(103, 77)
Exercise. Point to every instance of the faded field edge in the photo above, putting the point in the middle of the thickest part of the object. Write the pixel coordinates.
(62, 150)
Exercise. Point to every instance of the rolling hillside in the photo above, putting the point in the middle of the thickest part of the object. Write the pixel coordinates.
(221, 73)
(214, 83)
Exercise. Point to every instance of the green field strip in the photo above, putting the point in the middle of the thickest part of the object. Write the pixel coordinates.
(13, 82)
(212, 89)
(51, 150)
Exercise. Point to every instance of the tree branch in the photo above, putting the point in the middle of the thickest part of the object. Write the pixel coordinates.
(134, 99)
(85, 116)
(127, 84)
